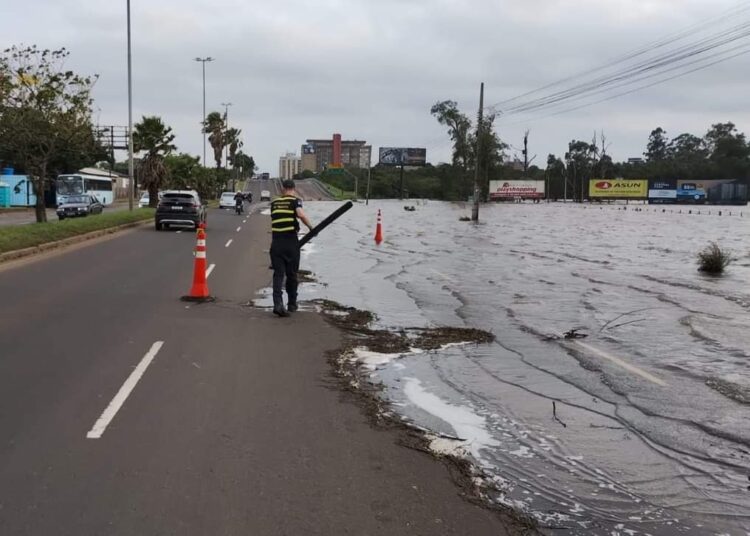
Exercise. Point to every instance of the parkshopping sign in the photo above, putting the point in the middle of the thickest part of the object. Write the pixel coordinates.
(618, 188)
(516, 189)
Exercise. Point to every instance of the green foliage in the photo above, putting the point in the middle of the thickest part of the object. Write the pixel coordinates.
(25, 236)
(245, 163)
(154, 138)
(713, 260)
(183, 171)
(45, 116)
(215, 127)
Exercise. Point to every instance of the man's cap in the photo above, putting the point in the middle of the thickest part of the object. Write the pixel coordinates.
(288, 184)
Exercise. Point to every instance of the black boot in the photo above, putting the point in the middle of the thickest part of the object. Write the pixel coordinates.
(278, 307)
(292, 307)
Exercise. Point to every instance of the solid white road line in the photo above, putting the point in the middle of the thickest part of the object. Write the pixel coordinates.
(209, 270)
(229, 243)
(627, 366)
(239, 228)
(122, 395)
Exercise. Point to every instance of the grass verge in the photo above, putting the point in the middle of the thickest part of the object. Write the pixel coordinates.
(17, 237)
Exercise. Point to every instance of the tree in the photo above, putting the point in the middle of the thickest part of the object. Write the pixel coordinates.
(245, 163)
(183, 171)
(154, 138)
(215, 127)
(45, 116)
(555, 177)
(581, 157)
(658, 144)
(728, 151)
(459, 129)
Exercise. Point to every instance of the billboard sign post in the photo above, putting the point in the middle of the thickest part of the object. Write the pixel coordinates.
(618, 189)
(523, 189)
(402, 156)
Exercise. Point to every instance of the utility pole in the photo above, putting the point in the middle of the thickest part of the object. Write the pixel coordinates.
(369, 171)
(401, 195)
(475, 210)
(131, 174)
(226, 106)
(203, 122)
(525, 153)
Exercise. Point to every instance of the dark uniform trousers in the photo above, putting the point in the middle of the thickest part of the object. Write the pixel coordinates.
(285, 263)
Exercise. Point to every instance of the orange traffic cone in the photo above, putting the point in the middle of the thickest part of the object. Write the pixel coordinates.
(199, 290)
(379, 229)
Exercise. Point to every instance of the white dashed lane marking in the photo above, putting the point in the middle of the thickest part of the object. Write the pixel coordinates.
(122, 395)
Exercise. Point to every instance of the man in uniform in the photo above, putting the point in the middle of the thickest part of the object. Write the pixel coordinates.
(286, 212)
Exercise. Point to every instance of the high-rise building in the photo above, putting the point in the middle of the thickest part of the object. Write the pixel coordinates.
(289, 165)
(318, 154)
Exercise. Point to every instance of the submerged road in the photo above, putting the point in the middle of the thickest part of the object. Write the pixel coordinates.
(126, 411)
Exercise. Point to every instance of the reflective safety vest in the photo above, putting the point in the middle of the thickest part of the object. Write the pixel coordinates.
(284, 215)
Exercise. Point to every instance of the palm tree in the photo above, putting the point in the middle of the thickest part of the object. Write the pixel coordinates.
(215, 127)
(232, 140)
(154, 138)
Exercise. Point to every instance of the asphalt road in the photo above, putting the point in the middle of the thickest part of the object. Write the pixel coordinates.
(307, 189)
(125, 411)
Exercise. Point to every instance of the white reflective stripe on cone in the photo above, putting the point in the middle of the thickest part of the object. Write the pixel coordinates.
(202, 243)
(200, 254)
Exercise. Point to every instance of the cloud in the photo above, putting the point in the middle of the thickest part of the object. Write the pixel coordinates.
(371, 70)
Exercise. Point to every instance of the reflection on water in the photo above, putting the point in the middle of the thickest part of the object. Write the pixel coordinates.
(651, 432)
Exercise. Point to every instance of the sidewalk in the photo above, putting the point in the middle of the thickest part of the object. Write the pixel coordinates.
(336, 473)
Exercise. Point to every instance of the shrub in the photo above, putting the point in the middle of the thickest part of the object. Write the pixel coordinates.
(712, 259)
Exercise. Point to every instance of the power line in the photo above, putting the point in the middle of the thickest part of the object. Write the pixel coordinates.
(649, 47)
(636, 74)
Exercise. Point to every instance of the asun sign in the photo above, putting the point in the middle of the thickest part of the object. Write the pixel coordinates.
(618, 188)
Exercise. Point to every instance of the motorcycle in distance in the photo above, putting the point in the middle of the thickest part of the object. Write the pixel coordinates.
(239, 203)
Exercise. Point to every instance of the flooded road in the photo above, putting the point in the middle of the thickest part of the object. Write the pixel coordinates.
(650, 428)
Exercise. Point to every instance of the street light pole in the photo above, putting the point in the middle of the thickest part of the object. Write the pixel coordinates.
(369, 172)
(203, 123)
(226, 106)
(131, 175)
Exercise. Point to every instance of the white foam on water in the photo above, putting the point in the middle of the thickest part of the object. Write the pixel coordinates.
(469, 426)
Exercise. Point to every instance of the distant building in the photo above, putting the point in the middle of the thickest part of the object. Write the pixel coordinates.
(317, 154)
(636, 160)
(289, 165)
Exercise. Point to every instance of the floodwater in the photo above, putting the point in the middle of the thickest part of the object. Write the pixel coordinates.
(650, 432)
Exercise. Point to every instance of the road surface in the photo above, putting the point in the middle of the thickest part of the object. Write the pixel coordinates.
(307, 189)
(126, 411)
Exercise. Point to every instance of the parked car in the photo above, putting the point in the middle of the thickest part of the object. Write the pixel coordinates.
(226, 200)
(265, 195)
(76, 206)
(179, 207)
(144, 200)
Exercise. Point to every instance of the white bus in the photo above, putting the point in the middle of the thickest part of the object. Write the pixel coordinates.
(80, 184)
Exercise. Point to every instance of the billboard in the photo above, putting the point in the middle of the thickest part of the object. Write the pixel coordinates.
(714, 192)
(618, 188)
(524, 189)
(308, 148)
(402, 156)
(662, 191)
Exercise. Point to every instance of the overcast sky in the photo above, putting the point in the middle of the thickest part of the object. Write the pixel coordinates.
(371, 70)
